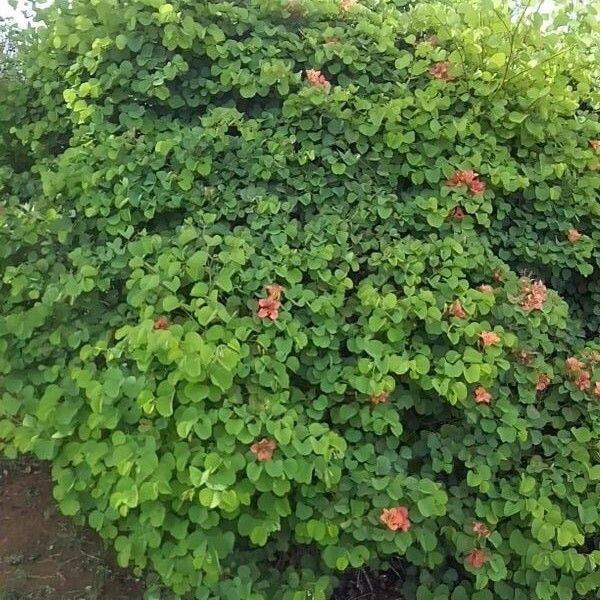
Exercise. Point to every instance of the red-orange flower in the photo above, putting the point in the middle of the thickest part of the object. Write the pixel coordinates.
(477, 558)
(482, 396)
(581, 377)
(458, 214)
(486, 289)
(583, 381)
(597, 389)
(480, 530)
(346, 5)
(468, 178)
(533, 295)
(573, 364)
(268, 308)
(380, 398)
(477, 187)
(317, 79)
(161, 323)
(274, 291)
(573, 235)
(263, 450)
(457, 310)
(441, 71)
(489, 338)
(595, 144)
(462, 178)
(543, 381)
(395, 518)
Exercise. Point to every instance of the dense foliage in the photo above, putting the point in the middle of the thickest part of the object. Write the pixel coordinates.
(271, 297)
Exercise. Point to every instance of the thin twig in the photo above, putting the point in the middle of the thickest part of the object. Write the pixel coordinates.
(512, 44)
(538, 65)
(91, 556)
(501, 18)
(366, 576)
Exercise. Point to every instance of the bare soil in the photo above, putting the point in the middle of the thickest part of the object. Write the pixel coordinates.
(43, 556)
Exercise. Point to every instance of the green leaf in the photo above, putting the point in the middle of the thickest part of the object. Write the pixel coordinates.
(421, 364)
(121, 41)
(164, 405)
(568, 534)
(170, 303)
(69, 506)
(527, 485)
(427, 506)
(497, 60)
(403, 61)
(398, 364)
(472, 373)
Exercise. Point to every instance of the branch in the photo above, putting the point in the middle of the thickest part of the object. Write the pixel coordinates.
(512, 44)
(538, 65)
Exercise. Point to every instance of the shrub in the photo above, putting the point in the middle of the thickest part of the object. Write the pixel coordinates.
(262, 304)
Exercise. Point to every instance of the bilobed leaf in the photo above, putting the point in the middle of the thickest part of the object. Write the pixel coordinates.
(497, 60)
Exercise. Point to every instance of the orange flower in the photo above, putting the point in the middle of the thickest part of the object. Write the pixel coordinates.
(264, 449)
(268, 308)
(573, 364)
(462, 178)
(380, 398)
(274, 291)
(434, 41)
(161, 323)
(395, 518)
(480, 530)
(573, 235)
(468, 178)
(441, 71)
(488, 338)
(317, 79)
(533, 295)
(457, 310)
(543, 381)
(597, 389)
(486, 289)
(477, 187)
(595, 144)
(477, 558)
(482, 396)
(498, 275)
(583, 381)
(346, 5)
(458, 214)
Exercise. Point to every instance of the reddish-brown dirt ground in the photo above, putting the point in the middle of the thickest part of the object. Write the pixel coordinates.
(43, 556)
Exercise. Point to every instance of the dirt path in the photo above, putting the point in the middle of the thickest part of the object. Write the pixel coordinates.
(45, 557)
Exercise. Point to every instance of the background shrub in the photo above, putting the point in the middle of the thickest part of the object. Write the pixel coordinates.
(168, 162)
